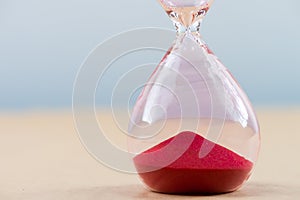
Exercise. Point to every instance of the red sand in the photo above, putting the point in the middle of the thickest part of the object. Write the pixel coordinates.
(220, 171)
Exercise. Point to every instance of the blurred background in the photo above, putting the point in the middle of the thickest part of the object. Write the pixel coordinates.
(43, 44)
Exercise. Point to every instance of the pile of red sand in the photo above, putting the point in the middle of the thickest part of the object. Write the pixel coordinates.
(220, 171)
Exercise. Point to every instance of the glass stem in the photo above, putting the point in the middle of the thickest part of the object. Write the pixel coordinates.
(180, 28)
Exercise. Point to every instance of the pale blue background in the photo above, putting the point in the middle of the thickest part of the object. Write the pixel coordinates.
(43, 43)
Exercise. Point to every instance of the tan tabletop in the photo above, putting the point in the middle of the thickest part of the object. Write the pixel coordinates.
(42, 158)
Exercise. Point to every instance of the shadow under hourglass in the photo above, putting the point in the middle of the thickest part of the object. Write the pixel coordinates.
(138, 192)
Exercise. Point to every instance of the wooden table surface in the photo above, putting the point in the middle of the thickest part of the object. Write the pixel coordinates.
(42, 158)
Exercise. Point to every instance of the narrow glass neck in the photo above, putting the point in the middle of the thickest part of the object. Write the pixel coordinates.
(187, 18)
(194, 28)
(194, 37)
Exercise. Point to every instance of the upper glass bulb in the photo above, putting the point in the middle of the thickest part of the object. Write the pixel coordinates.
(186, 15)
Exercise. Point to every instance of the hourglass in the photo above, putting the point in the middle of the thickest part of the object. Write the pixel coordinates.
(196, 129)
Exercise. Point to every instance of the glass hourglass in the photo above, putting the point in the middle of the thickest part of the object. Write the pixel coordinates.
(197, 130)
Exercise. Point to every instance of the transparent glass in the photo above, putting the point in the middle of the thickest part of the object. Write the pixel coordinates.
(197, 130)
